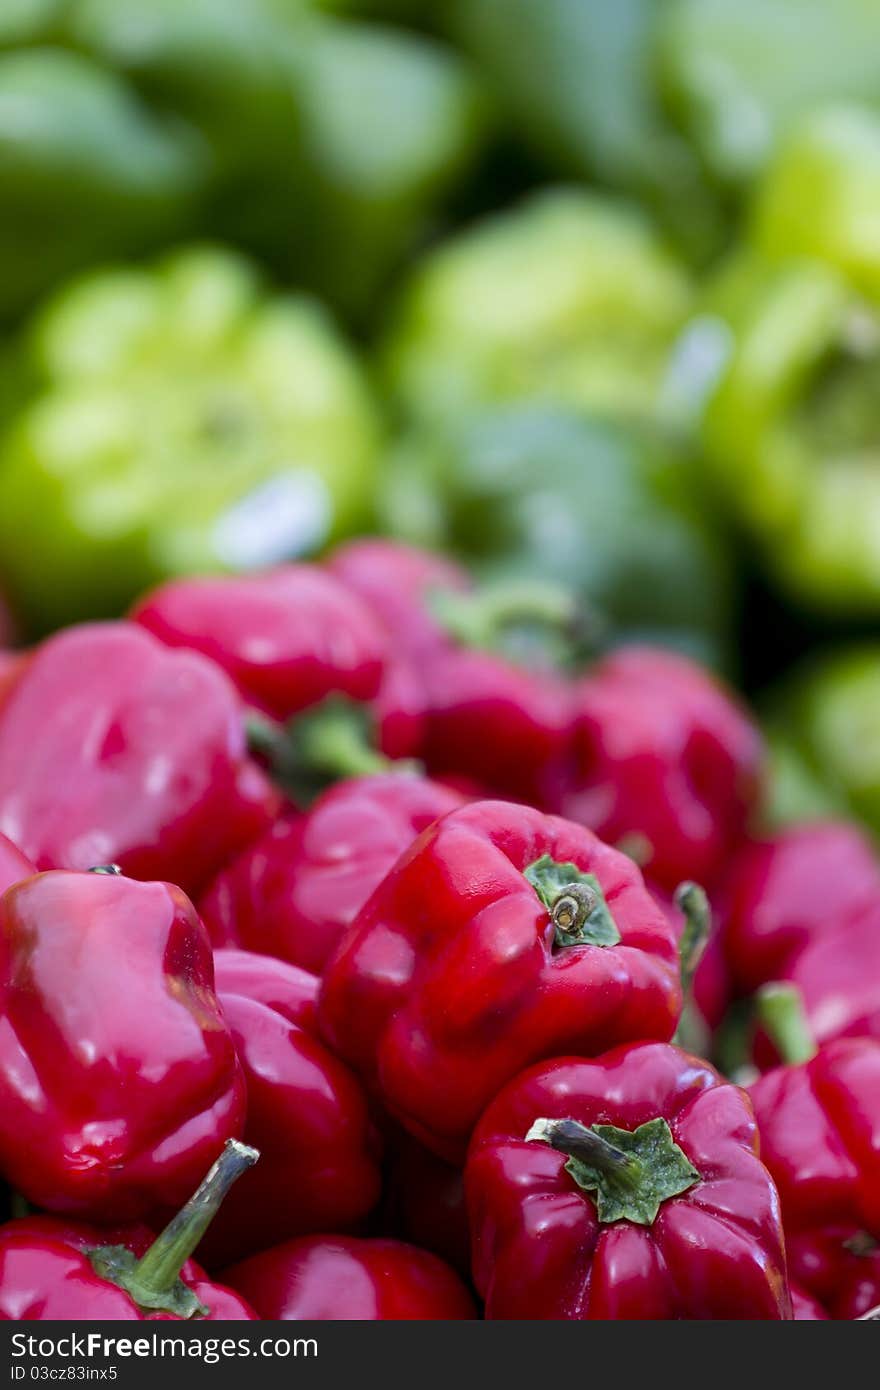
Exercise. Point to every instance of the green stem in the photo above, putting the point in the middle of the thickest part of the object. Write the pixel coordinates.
(153, 1282)
(780, 1011)
(577, 1141)
(161, 1265)
(691, 901)
(524, 618)
(321, 746)
(113, 869)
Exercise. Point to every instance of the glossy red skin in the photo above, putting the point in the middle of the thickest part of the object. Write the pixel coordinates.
(287, 637)
(119, 1082)
(447, 983)
(289, 990)
(395, 580)
(505, 726)
(845, 1283)
(114, 749)
(805, 1307)
(464, 711)
(45, 1276)
(14, 866)
(427, 1204)
(539, 1251)
(343, 1279)
(298, 889)
(307, 1115)
(820, 1138)
(783, 893)
(838, 976)
(663, 751)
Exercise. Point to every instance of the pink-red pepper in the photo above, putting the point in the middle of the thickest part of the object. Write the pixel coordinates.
(306, 1114)
(119, 1081)
(114, 749)
(500, 937)
(287, 638)
(339, 1278)
(14, 866)
(473, 710)
(819, 1120)
(57, 1270)
(783, 893)
(295, 892)
(666, 764)
(625, 1187)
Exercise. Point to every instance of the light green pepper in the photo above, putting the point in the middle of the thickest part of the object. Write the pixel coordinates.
(187, 421)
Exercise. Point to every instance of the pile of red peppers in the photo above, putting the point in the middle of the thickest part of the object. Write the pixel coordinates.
(366, 938)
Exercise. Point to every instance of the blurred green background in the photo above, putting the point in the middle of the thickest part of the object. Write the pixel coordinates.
(569, 288)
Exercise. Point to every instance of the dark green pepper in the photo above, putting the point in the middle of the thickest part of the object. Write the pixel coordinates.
(824, 728)
(86, 171)
(608, 510)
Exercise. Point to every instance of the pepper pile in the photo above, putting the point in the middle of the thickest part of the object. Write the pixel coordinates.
(401, 913)
(355, 886)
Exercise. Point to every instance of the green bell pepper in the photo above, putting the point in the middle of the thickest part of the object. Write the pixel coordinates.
(333, 143)
(570, 298)
(738, 76)
(820, 196)
(391, 124)
(789, 426)
(604, 508)
(824, 729)
(577, 77)
(186, 421)
(85, 171)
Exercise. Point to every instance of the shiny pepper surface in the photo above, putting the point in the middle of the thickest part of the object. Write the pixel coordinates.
(287, 638)
(307, 1115)
(119, 1080)
(819, 1119)
(46, 1276)
(296, 891)
(782, 894)
(115, 750)
(339, 1278)
(564, 1229)
(668, 763)
(461, 969)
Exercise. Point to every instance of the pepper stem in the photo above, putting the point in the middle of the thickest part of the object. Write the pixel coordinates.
(321, 746)
(525, 620)
(153, 1281)
(629, 1173)
(691, 901)
(779, 1008)
(577, 1141)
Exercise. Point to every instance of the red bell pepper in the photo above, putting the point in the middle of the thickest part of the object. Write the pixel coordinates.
(114, 749)
(474, 710)
(838, 976)
(500, 937)
(626, 1187)
(819, 1120)
(56, 1270)
(287, 989)
(306, 1113)
(14, 866)
(119, 1080)
(783, 893)
(295, 892)
(666, 764)
(287, 638)
(343, 1279)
